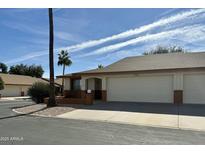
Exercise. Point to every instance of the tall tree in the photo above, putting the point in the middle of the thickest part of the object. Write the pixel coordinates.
(52, 101)
(100, 66)
(64, 59)
(32, 70)
(3, 68)
(18, 69)
(162, 50)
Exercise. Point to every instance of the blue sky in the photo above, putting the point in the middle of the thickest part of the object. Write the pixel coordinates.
(96, 36)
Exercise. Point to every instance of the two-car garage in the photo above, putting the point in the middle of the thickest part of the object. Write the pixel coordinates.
(156, 88)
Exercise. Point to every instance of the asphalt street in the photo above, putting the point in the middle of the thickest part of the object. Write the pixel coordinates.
(27, 129)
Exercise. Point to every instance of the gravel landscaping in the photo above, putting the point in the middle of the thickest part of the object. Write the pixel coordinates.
(42, 110)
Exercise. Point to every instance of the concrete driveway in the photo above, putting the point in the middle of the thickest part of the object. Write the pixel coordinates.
(149, 114)
(41, 130)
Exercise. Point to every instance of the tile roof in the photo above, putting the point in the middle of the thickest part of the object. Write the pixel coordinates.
(11, 79)
(154, 62)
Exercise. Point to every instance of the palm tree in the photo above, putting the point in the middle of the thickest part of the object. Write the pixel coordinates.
(64, 59)
(52, 101)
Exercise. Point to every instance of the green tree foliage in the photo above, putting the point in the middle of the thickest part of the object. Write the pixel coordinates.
(64, 58)
(1, 84)
(100, 66)
(21, 69)
(3, 68)
(163, 50)
(39, 91)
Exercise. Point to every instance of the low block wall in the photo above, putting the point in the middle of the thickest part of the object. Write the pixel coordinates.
(88, 99)
(72, 94)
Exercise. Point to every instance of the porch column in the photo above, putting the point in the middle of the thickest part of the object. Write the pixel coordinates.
(67, 86)
(178, 88)
(82, 87)
(104, 89)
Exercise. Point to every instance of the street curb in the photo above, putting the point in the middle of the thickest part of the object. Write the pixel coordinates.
(107, 121)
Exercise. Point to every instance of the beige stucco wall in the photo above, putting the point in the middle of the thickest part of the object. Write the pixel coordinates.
(91, 84)
(13, 90)
(152, 86)
(90, 80)
(178, 81)
(66, 84)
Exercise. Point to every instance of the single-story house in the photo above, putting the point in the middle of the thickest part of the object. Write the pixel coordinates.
(58, 81)
(18, 85)
(163, 78)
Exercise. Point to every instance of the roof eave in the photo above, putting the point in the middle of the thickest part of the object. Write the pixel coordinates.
(137, 71)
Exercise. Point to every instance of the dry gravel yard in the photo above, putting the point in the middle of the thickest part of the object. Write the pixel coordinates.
(42, 110)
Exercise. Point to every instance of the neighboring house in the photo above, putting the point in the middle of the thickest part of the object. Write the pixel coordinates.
(58, 81)
(164, 78)
(58, 84)
(18, 85)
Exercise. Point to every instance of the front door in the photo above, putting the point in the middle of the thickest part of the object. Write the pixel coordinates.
(98, 94)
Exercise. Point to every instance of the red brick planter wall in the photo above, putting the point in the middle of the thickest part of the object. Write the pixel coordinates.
(85, 99)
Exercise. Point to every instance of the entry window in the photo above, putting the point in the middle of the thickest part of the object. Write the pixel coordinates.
(75, 84)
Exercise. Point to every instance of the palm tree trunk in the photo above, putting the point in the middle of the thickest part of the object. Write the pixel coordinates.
(63, 79)
(52, 101)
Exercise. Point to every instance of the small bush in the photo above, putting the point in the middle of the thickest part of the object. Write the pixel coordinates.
(1, 84)
(39, 91)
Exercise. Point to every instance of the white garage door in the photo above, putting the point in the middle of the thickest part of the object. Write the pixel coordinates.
(141, 89)
(194, 89)
(11, 91)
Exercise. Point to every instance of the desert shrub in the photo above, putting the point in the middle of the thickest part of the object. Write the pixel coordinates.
(39, 91)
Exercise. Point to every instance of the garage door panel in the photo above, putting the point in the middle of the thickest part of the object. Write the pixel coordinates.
(194, 89)
(10, 91)
(118, 87)
(140, 89)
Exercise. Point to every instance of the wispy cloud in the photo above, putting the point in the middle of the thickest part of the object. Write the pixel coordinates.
(159, 23)
(26, 28)
(67, 36)
(185, 31)
(28, 56)
(41, 31)
(132, 32)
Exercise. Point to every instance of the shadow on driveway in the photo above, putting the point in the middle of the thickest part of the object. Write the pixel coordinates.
(20, 115)
(160, 108)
